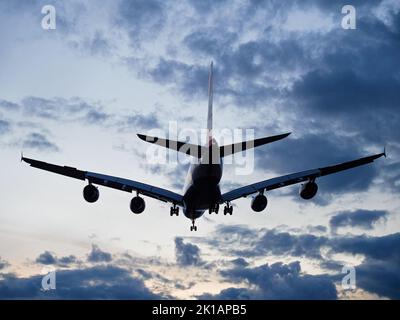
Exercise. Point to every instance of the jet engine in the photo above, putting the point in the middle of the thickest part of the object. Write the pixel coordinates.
(308, 190)
(137, 205)
(90, 193)
(259, 203)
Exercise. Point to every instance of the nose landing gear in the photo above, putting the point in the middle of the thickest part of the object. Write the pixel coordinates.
(193, 227)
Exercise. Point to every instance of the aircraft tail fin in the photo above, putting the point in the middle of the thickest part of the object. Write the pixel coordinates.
(245, 145)
(210, 105)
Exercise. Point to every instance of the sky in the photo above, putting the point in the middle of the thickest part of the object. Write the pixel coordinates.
(77, 95)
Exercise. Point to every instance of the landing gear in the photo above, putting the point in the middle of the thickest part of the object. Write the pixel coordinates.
(174, 211)
(193, 227)
(228, 209)
(214, 208)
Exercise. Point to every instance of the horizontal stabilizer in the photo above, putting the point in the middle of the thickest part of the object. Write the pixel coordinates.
(245, 145)
(184, 147)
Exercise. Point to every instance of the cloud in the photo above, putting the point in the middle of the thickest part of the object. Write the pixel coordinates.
(239, 262)
(39, 141)
(244, 241)
(99, 282)
(364, 219)
(276, 281)
(142, 19)
(8, 105)
(4, 126)
(143, 121)
(3, 264)
(97, 255)
(379, 255)
(60, 109)
(48, 258)
(187, 254)
(378, 273)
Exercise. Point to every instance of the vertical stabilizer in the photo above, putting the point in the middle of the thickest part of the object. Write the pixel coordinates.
(210, 104)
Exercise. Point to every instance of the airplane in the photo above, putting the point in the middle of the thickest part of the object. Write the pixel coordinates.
(202, 187)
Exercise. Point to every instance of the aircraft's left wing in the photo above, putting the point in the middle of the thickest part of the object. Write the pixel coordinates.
(109, 181)
(293, 178)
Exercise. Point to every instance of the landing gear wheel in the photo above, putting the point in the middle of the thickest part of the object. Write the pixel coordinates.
(174, 211)
(193, 227)
(228, 209)
(214, 208)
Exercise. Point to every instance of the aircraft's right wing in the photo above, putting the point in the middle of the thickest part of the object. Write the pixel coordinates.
(293, 178)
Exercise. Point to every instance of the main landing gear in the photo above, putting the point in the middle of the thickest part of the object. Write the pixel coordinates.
(228, 209)
(214, 208)
(193, 227)
(174, 211)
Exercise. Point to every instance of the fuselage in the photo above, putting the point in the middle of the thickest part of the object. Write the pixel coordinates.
(201, 190)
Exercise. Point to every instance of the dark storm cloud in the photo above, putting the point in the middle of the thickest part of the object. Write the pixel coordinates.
(40, 142)
(48, 258)
(377, 273)
(250, 64)
(271, 242)
(187, 254)
(379, 277)
(364, 219)
(243, 241)
(99, 282)
(276, 281)
(98, 255)
(283, 243)
(384, 248)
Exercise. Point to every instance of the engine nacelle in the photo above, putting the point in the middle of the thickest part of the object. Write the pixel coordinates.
(137, 205)
(308, 190)
(91, 193)
(259, 203)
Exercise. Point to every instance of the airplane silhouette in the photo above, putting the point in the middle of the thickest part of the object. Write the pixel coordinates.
(202, 190)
